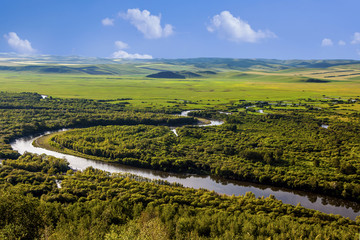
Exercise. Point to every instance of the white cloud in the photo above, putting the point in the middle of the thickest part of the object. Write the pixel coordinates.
(123, 54)
(21, 46)
(342, 43)
(107, 22)
(121, 45)
(356, 39)
(358, 52)
(234, 29)
(327, 42)
(148, 24)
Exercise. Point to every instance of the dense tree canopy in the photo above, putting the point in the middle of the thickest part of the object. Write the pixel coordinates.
(28, 113)
(42, 198)
(292, 150)
(94, 204)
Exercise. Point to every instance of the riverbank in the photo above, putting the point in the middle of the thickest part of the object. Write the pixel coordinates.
(247, 122)
(229, 151)
(118, 200)
(44, 142)
(319, 202)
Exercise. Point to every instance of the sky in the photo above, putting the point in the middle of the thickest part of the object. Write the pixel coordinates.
(277, 29)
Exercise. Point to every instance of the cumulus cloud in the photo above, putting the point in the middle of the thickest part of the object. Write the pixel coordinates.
(20, 45)
(123, 54)
(234, 29)
(342, 43)
(356, 39)
(327, 42)
(121, 45)
(107, 22)
(148, 24)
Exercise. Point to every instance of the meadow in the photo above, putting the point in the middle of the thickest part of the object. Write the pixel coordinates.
(198, 92)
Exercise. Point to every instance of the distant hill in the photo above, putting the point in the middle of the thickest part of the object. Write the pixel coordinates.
(264, 64)
(98, 69)
(93, 70)
(207, 72)
(315, 80)
(188, 74)
(174, 74)
(179, 68)
(166, 74)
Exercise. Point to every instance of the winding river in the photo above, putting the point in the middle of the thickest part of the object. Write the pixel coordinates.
(318, 202)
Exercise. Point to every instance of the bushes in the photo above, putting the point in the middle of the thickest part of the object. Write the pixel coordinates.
(20, 216)
(24, 114)
(94, 204)
(263, 149)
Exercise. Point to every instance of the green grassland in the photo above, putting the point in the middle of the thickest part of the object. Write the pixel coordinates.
(226, 86)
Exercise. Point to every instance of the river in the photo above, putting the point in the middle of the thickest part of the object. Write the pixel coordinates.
(318, 202)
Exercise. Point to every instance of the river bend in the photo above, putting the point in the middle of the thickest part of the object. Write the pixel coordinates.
(318, 202)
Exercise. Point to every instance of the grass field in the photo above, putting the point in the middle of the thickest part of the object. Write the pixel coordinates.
(129, 81)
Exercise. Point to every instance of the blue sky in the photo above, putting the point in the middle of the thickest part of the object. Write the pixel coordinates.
(280, 29)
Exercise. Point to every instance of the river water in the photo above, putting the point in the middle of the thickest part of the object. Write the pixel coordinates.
(309, 200)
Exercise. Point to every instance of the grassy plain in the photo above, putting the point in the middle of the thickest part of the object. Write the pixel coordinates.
(200, 92)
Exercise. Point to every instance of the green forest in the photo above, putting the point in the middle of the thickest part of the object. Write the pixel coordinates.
(289, 149)
(41, 197)
(23, 114)
(94, 204)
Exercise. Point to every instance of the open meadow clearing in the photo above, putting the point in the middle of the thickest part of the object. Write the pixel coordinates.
(223, 87)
